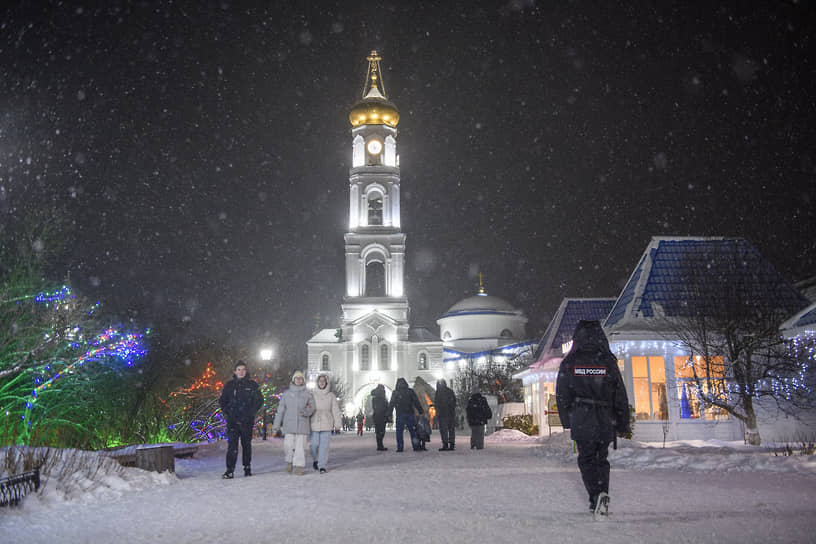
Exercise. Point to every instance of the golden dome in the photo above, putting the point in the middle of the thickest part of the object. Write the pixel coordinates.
(374, 108)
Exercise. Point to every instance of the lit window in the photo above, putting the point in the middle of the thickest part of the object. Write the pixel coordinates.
(324, 363)
(710, 378)
(423, 362)
(384, 357)
(649, 380)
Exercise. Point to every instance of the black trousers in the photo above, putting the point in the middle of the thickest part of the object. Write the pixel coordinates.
(447, 430)
(592, 460)
(379, 432)
(236, 432)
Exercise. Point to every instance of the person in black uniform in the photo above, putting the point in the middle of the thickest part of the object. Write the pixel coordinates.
(592, 403)
(240, 400)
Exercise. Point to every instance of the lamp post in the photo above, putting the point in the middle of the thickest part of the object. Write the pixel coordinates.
(266, 356)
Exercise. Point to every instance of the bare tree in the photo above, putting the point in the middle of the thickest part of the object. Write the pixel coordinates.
(729, 303)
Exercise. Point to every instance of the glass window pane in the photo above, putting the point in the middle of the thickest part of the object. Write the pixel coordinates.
(642, 408)
(639, 368)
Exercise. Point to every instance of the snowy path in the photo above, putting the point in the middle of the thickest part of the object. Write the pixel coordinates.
(507, 492)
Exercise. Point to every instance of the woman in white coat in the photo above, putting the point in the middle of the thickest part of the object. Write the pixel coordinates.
(294, 410)
(326, 418)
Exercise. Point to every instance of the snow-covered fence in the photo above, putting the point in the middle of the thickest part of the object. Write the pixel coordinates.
(14, 488)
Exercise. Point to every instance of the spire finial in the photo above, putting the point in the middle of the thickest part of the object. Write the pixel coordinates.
(374, 86)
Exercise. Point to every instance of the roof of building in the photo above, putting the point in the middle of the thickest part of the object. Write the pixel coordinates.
(802, 321)
(569, 313)
(481, 303)
(684, 276)
(421, 334)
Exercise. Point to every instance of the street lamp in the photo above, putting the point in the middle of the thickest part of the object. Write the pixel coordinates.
(266, 356)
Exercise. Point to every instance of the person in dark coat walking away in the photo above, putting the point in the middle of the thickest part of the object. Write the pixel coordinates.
(445, 404)
(592, 403)
(240, 400)
(382, 415)
(404, 401)
(478, 414)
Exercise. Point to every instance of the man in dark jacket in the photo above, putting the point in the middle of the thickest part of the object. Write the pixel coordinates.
(240, 400)
(478, 414)
(592, 403)
(445, 405)
(405, 401)
(379, 405)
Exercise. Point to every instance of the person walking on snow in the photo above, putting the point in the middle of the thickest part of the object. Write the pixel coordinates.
(404, 400)
(445, 404)
(478, 414)
(360, 419)
(382, 415)
(294, 410)
(325, 420)
(240, 400)
(592, 403)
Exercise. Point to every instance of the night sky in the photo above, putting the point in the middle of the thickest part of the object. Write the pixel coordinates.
(200, 150)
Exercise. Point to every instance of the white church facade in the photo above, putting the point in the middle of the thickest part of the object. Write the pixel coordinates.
(375, 342)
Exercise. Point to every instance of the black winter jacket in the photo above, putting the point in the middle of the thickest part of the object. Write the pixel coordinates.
(240, 400)
(379, 404)
(404, 399)
(478, 410)
(589, 391)
(445, 402)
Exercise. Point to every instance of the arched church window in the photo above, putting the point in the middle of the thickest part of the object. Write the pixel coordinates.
(506, 333)
(375, 209)
(365, 358)
(446, 335)
(423, 361)
(324, 363)
(384, 362)
(375, 279)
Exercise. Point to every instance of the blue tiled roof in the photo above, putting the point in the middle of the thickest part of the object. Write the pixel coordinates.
(571, 311)
(716, 266)
(626, 296)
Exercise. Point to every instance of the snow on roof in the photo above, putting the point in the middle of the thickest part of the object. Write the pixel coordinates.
(802, 321)
(658, 283)
(324, 336)
(481, 304)
(421, 334)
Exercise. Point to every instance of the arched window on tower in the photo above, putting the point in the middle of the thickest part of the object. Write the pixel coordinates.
(506, 333)
(375, 279)
(384, 362)
(324, 363)
(375, 209)
(422, 364)
(365, 359)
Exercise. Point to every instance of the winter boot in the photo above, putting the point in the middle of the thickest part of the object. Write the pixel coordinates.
(314, 465)
(451, 447)
(601, 512)
(247, 471)
(289, 468)
(323, 471)
(444, 447)
(228, 475)
(299, 471)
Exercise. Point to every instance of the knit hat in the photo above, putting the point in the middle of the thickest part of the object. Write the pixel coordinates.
(298, 373)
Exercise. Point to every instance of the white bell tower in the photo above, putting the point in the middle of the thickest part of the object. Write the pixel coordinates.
(375, 246)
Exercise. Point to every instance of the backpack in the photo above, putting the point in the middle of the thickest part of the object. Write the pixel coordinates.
(423, 429)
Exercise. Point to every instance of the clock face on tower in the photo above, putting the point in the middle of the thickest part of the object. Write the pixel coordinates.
(374, 147)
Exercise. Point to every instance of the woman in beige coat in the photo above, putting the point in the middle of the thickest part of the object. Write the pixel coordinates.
(326, 418)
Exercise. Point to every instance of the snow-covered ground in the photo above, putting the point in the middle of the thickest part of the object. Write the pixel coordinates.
(518, 489)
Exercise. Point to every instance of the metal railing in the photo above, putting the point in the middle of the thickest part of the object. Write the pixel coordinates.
(14, 488)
